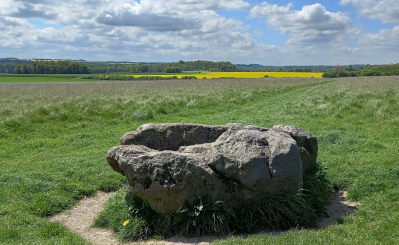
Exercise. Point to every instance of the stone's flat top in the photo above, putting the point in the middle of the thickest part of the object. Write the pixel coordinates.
(169, 136)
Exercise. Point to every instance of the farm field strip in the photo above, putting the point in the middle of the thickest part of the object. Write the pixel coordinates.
(210, 75)
(199, 75)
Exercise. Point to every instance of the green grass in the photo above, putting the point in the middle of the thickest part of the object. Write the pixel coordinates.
(34, 78)
(41, 79)
(131, 74)
(54, 137)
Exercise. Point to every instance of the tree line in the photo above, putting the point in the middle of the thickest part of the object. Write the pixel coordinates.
(52, 67)
(68, 67)
(7, 68)
(260, 68)
(174, 67)
(367, 70)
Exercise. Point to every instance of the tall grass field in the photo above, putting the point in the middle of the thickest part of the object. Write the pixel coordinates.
(54, 138)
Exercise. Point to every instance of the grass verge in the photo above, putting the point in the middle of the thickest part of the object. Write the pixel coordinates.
(54, 137)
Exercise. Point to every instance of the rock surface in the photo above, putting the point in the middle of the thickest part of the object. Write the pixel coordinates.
(168, 163)
(306, 142)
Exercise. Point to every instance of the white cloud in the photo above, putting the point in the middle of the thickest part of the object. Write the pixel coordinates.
(378, 47)
(25, 9)
(316, 35)
(387, 40)
(210, 4)
(14, 31)
(147, 21)
(385, 10)
(345, 50)
(125, 28)
(313, 25)
(166, 30)
(8, 7)
(265, 9)
(49, 33)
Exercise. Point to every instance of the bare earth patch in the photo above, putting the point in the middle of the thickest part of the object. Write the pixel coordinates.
(337, 208)
(82, 216)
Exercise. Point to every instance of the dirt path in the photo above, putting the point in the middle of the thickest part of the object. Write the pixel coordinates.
(337, 208)
(81, 217)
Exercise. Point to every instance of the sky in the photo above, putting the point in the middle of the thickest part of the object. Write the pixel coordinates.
(304, 32)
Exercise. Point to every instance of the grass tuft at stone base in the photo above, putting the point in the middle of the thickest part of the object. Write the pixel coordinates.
(133, 219)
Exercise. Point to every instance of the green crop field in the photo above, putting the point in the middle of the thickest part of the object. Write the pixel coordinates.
(54, 138)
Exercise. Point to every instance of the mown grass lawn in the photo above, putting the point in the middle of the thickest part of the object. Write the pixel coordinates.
(54, 137)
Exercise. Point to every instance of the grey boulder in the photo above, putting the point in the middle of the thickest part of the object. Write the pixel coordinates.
(165, 164)
(306, 142)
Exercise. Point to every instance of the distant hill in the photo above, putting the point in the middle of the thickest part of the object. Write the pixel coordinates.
(15, 61)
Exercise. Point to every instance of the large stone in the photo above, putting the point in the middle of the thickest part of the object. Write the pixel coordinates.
(166, 164)
(306, 142)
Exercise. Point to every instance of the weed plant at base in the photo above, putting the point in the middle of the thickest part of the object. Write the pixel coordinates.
(280, 211)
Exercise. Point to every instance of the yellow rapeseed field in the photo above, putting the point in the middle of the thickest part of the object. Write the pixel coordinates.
(210, 75)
